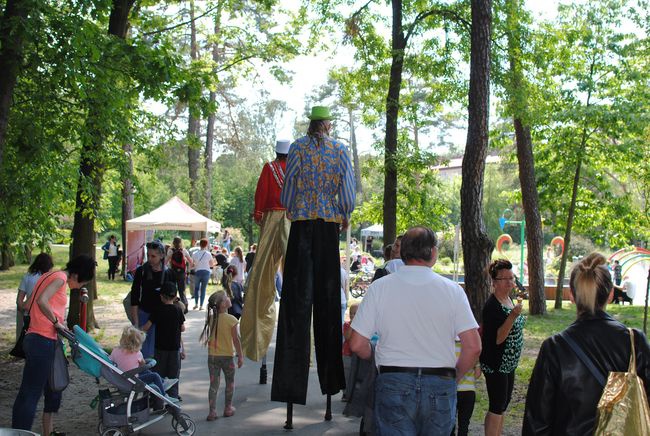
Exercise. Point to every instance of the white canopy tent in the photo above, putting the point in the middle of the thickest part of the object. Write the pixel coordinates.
(174, 215)
(375, 230)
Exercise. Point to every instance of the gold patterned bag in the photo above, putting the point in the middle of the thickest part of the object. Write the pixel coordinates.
(623, 408)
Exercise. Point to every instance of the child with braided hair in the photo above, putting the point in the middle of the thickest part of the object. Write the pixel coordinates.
(221, 336)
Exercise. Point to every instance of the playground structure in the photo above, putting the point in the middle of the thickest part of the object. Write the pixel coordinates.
(506, 218)
(635, 263)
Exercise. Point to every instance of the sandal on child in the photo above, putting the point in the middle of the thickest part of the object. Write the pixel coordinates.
(212, 416)
(228, 411)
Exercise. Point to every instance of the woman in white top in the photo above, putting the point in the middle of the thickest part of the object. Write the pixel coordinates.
(238, 262)
(202, 261)
(42, 264)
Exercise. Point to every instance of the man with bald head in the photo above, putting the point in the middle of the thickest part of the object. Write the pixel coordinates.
(417, 314)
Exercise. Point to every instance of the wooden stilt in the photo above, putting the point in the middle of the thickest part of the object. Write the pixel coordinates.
(263, 373)
(328, 410)
(289, 423)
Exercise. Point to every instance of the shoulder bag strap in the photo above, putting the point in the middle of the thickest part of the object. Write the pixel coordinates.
(35, 293)
(632, 367)
(584, 358)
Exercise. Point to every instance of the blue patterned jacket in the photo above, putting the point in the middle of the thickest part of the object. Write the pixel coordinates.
(319, 181)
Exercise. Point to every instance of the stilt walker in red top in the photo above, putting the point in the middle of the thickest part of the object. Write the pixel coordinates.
(258, 316)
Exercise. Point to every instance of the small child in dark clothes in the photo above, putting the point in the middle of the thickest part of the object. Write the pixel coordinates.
(170, 322)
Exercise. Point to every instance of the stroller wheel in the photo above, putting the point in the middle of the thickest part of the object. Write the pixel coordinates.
(112, 431)
(100, 428)
(177, 424)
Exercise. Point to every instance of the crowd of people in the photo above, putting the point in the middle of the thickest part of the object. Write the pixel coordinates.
(425, 340)
(416, 326)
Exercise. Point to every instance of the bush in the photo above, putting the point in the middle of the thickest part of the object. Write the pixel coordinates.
(446, 245)
(580, 246)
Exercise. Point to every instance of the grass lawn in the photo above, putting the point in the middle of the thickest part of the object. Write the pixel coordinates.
(108, 291)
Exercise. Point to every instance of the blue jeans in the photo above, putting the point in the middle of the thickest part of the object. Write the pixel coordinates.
(39, 352)
(152, 378)
(201, 278)
(150, 340)
(411, 404)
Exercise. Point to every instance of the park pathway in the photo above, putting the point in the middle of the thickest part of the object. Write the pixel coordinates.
(256, 413)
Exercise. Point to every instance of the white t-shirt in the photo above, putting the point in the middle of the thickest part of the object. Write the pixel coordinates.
(27, 283)
(417, 315)
(201, 260)
(344, 283)
(241, 267)
(112, 250)
(393, 265)
(630, 288)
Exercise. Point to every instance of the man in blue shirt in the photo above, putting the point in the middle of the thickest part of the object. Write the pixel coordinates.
(319, 194)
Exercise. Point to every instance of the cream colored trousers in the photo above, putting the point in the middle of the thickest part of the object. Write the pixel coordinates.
(258, 317)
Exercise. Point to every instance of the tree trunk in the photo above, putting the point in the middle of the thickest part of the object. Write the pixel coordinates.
(12, 32)
(355, 153)
(91, 172)
(193, 127)
(7, 256)
(209, 136)
(477, 246)
(392, 112)
(127, 202)
(83, 230)
(534, 234)
(529, 196)
(569, 223)
(27, 251)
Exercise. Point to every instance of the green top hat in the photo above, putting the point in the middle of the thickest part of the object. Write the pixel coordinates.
(320, 113)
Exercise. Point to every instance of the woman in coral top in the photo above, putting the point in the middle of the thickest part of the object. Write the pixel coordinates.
(47, 309)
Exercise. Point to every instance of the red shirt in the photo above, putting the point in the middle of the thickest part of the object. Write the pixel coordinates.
(269, 186)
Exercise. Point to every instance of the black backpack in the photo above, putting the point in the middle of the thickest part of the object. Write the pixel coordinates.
(379, 273)
(178, 259)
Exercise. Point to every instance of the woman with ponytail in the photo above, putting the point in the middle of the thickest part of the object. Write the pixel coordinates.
(563, 394)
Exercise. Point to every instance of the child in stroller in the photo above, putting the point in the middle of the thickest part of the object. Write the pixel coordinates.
(127, 409)
(128, 356)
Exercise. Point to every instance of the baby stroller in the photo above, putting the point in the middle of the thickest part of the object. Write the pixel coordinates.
(127, 409)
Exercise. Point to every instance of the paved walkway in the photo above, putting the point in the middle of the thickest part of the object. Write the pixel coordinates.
(256, 413)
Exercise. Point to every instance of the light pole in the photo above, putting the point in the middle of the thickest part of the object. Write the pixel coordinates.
(505, 219)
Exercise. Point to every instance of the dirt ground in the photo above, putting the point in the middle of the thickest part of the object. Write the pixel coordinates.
(79, 418)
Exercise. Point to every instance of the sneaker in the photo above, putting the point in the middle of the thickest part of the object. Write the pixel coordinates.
(172, 399)
(169, 382)
(212, 416)
(201, 308)
(196, 306)
(228, 411)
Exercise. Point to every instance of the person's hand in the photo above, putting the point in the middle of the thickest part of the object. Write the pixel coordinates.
(182, 355)
(517, 309)
(240, 361)
(61, 327)
(344, 224)
(477, 371)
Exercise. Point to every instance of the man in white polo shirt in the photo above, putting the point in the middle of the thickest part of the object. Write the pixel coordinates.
(417, 314)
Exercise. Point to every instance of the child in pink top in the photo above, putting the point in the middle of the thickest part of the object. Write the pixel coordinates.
(128, 356)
